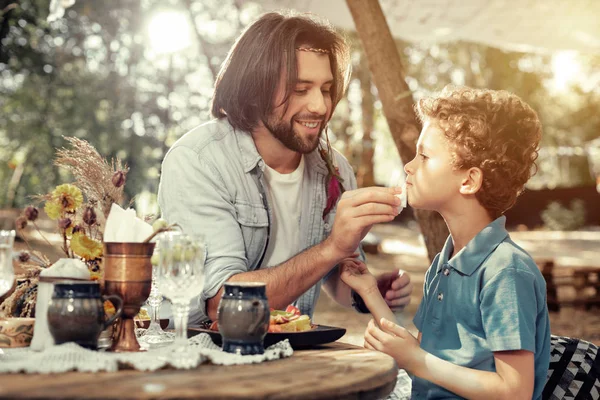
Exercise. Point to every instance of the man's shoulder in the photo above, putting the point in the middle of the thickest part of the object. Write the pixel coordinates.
(200, 137)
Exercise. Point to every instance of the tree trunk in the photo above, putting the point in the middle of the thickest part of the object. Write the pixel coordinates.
(396, 98)
(366, 176)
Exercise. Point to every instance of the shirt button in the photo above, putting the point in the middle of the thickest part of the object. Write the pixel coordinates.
(326, 225)
(440, 296)
(446, 271)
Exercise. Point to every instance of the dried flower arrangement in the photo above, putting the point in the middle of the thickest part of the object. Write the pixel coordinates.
(79, 209)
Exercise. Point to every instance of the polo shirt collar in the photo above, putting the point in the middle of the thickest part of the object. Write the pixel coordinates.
(476, 251)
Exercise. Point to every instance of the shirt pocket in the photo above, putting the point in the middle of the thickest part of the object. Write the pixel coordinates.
(254, 223)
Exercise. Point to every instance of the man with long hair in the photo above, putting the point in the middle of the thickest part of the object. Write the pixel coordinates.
(274, 202)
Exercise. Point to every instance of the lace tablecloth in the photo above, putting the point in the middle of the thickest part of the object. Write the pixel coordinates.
(403, 387)
(72, 357)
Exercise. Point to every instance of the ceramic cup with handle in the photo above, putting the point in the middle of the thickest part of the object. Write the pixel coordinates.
(76, 312)
(243, 317)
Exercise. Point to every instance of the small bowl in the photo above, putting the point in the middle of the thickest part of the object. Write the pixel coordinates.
(16, 332)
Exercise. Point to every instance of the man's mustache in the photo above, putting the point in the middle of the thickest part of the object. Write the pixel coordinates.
(310, 117)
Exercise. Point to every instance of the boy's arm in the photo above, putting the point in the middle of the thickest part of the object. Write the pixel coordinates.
(513, 379)
(355, 275)
(377, 305)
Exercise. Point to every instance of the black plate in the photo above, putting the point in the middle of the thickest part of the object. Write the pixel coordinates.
(320, 334)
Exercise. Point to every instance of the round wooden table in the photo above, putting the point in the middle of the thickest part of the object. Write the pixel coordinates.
(333, 371)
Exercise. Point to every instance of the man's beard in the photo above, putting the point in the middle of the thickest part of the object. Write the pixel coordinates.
(285, 133)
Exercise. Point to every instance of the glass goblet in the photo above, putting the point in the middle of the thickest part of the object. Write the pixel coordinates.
(155, 336)
(180, 278)
(7, 273)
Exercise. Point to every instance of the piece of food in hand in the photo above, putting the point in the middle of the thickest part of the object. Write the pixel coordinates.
(159, 224)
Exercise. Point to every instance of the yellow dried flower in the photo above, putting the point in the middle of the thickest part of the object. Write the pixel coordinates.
(84, 247)
(53, 209)
(68, 196)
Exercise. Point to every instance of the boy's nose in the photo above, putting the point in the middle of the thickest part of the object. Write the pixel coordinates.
(408, 167)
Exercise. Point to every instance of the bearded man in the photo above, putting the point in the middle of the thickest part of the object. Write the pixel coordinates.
(262, 185)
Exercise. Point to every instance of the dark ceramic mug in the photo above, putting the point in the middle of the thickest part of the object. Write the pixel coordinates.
(76, 312)
(243, 317)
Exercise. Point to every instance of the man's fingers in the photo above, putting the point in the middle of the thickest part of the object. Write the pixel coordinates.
(371, 189)
(401, 281)
(357, 197)
(399, 293)
(398, 303)
(372, 209)
(389, 276)
(366, 222)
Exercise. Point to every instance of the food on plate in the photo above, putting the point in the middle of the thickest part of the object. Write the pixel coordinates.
(290, 320)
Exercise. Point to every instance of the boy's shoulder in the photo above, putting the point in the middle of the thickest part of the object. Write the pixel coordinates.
(510, 255)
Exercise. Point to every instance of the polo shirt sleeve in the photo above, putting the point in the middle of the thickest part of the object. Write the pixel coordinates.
(509, 310)
(420, 315)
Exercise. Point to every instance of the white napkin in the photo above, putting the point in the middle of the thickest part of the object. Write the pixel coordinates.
(63, 268)
(124, 226)
(402, 197)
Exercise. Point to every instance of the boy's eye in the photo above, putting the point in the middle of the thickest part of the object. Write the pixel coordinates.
(328, 90)
(300, 91)
(423, 156)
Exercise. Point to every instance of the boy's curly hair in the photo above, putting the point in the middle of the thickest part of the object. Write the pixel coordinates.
(492, 130)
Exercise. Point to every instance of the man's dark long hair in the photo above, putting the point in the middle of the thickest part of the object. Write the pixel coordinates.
(247, 83)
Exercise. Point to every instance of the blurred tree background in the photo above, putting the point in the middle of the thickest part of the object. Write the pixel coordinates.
(132, 76)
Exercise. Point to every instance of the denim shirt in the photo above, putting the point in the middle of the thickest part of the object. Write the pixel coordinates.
(212, 184)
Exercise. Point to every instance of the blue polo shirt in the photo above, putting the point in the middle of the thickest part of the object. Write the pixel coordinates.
(489, 297)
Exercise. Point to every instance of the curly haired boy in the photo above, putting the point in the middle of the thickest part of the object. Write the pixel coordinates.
(483, 321)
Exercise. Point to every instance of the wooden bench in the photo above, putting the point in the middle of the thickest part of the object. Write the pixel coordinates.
(585, 280)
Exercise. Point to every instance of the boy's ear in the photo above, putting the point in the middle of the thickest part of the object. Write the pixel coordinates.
(472, 181)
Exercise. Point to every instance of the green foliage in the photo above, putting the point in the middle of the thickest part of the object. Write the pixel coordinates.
(93, 74)
(557, 217)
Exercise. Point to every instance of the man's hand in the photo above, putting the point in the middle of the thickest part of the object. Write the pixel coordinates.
(395, 341)
(355, 274)
(357, 211)
(396, 288)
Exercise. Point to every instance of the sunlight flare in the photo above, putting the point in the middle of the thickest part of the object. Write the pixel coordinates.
(169, 31)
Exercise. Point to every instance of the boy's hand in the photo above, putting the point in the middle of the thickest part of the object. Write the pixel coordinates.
(355, 274)
(394, 341)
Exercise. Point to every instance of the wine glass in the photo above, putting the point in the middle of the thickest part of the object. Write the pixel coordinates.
(7, 274)
(180, 278)
(155, 336)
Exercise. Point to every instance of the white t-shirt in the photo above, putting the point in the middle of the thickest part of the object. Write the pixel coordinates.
(286, 206)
